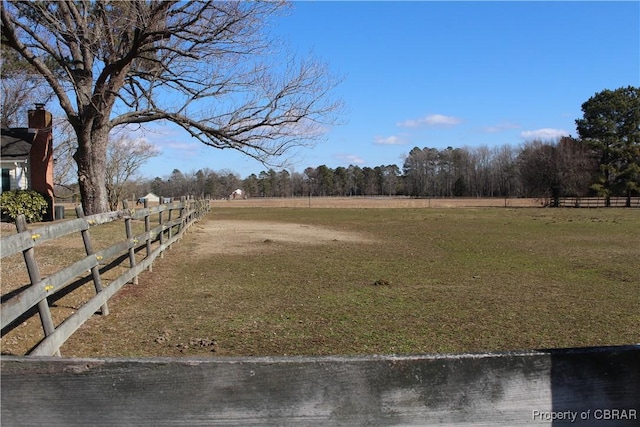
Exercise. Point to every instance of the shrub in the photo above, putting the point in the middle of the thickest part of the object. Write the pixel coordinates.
(27, 202)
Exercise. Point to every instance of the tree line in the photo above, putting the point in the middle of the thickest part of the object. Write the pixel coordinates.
(549, 170)
(537, 169)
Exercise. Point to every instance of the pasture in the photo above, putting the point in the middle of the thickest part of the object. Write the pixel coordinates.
(321, 281)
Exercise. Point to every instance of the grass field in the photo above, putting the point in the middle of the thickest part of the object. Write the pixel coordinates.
(305, 281)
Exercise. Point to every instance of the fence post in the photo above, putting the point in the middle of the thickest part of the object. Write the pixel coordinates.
(132, 249)
(170, 230)
(183, 202)
(160, 221)
(95, 271)
(147, 230)
(34, 277)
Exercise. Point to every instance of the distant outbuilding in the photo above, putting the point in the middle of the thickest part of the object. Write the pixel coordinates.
(150, 198)
(237, 194)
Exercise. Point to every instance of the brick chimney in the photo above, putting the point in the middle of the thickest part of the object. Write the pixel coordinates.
(41, 157)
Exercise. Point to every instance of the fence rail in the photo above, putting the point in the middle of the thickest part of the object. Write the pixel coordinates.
(154, 241)
(598, 202)
(591, 386)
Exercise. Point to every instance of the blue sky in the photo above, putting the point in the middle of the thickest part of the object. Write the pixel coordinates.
(438, 74)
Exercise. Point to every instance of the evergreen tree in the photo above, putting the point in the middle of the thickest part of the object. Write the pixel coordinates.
(611, 128)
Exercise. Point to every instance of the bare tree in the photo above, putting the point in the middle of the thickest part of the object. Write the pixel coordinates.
(19, 93)
(22, 87)
(209, 67)
(124, 159)
(64, 171)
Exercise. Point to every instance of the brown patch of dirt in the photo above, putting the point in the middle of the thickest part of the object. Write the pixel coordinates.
(239, 237)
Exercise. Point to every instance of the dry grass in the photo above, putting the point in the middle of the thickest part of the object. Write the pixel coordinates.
(385, 281)
(360, 202)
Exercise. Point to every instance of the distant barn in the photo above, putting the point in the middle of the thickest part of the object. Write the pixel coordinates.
(150, 198)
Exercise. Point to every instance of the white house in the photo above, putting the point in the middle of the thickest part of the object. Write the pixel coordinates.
(26, 154)
(14, 158)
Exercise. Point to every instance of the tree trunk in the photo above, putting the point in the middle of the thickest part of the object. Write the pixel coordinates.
(91, 158)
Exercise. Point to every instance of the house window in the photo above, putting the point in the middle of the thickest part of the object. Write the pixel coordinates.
(6, 180)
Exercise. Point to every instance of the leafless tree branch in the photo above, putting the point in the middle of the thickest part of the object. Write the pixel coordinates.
(209, 67)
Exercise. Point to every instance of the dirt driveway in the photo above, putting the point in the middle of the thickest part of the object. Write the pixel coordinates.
(239, 237)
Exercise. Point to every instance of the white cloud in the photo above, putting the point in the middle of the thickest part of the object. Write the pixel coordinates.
(389, 140)
(431, 120)
(544, 134)
(351, 158)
